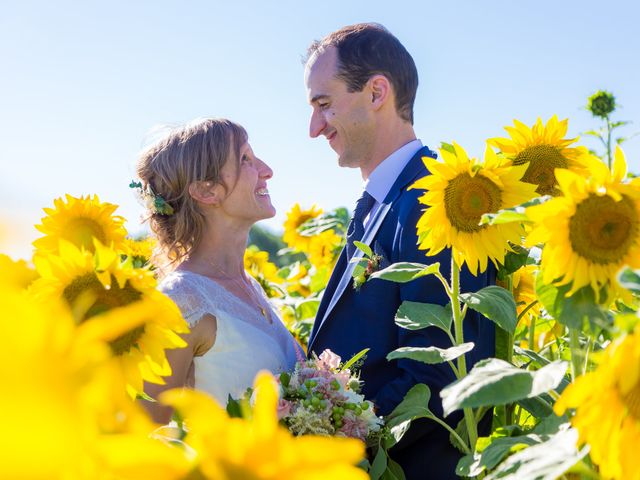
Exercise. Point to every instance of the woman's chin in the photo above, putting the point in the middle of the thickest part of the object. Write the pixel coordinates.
(265, 211)
(271, 212)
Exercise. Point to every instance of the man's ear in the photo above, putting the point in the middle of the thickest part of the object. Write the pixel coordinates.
(380, 88)
(207, 193)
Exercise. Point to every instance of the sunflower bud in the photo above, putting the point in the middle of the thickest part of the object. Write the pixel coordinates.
(601, 104)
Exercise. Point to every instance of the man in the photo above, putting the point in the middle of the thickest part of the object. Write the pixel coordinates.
(361, 83)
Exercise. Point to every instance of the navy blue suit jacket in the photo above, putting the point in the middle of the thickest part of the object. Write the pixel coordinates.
(365, 319)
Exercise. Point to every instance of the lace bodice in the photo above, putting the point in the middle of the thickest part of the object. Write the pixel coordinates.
(245, 341)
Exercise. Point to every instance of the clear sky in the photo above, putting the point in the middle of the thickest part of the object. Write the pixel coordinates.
(83, 84)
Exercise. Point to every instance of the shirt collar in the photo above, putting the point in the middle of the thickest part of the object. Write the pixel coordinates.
(385, 174)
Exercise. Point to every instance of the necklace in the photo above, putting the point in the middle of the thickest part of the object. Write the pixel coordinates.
(250, 290)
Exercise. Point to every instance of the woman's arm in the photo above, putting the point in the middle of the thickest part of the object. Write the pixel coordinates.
(199, 340)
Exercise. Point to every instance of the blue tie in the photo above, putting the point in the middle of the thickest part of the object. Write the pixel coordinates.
(355, 231)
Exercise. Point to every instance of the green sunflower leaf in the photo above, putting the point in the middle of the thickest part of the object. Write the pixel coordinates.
(366, 249)
(500, 447)
(495, 303)
(514, 214)
(513, 261)
(307, 309)
(404, 272)
(544, 461)
(496, 382)
(431, 355)
(571, 311)
(447, 147)
(336, 220)
(630, 279)
(416, 316)
(414, 405)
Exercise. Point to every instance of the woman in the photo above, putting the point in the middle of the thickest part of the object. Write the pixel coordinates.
(205, 189)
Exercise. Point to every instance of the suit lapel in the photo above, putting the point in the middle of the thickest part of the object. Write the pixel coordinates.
(341, 276)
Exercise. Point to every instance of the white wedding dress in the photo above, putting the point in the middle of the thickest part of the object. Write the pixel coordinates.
(245, 340)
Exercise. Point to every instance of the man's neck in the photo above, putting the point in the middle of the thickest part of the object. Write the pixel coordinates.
(387, 141)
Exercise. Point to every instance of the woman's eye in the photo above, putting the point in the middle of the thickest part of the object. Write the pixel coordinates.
(245, 158)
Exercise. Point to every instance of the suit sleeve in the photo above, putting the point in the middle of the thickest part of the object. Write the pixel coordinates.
(426, 290)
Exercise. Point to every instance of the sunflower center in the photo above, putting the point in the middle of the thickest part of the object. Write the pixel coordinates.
(81, 231)
(602, 230)
(467, 198)
(542, 160)
(103, 300)
(631, 399)
(302, 219)
(127, 341)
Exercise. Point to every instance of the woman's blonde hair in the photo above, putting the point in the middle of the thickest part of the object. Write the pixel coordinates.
(195, 152)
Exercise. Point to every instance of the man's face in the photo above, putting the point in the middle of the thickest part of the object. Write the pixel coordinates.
(343, 117)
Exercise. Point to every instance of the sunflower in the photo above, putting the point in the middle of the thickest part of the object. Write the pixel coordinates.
(298, 280)
(295, 218)
(140, 250)
(524, 290)
(607, 409)
(16, 273)
(323, 248)
(458, 192)
(69, 409)
(79, 221)
(235, 448)
(257, 263)
(543, 149)
(99, 288)
(591, 231)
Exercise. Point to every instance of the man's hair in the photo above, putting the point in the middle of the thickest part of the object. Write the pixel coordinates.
(368, 49)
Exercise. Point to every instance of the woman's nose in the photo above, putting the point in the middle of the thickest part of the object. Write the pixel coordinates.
(265, 170)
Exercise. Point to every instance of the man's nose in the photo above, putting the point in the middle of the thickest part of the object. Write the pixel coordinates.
(317, 124)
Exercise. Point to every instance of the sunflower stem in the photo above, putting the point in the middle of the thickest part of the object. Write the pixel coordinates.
(532, 333)
(445, 284)
(587, 350)
(453, 433)
(577, 354)
(527, 308)
(609, 142)
(458, 318)
(510, 407)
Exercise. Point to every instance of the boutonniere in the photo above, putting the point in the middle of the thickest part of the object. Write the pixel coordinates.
(366, 266)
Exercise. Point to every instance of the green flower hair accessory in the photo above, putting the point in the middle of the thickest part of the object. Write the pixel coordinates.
(153, 201)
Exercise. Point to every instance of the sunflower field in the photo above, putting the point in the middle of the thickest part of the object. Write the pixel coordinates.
(85, 328)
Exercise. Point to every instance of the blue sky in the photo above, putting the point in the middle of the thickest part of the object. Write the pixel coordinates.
(84, 83)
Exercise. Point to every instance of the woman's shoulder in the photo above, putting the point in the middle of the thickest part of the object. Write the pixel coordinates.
(186, 290)
(176, 280)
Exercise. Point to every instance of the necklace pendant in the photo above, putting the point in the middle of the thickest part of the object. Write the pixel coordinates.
(262, 311)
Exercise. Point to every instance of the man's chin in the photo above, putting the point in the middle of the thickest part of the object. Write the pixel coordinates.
(348, 162)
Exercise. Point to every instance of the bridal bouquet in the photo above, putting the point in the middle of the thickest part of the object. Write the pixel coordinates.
(321, 397)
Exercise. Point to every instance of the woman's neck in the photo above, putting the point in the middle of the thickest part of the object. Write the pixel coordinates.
(220, 252)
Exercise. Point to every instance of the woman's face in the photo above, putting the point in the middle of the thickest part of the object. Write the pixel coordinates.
(248, 198)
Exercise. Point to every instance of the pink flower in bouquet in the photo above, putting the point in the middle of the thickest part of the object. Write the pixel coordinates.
(284, 408)
(328, 360)
(343, 378)
(354, 426)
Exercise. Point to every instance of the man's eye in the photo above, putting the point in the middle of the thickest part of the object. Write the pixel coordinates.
(323, 106)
